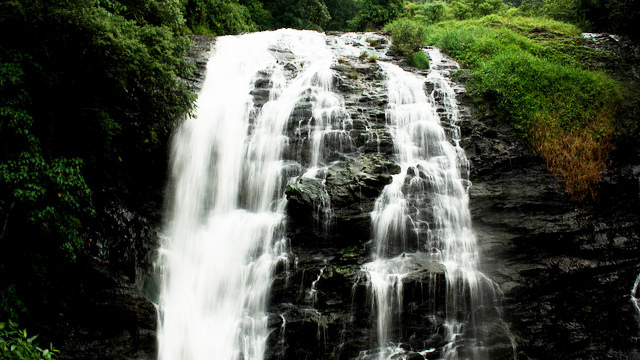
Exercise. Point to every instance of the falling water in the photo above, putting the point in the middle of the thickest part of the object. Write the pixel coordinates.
(423, 217)
(635, 298)
(224, 232)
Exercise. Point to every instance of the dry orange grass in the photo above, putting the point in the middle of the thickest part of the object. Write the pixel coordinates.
(575, 157)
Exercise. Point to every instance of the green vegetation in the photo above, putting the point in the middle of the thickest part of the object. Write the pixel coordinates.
(15, 344)
(545, 80)
(407, 36)
(89, 92)
(613, 16)
(224, 17)
(374, 14)
(407, 39)
(58, 84)
(419, 60)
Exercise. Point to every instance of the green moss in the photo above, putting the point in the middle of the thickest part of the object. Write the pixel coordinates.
(349, 252)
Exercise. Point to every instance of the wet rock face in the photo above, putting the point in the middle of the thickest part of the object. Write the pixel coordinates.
(566, 269)
(349, 190)
(198, 55)
(104, 317)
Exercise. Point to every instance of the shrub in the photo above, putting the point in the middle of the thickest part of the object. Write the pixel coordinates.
(376, 13)
(16, 344)
(374, 42)
(429, 12)
(419, 59)
(407, 36)
(468, 9)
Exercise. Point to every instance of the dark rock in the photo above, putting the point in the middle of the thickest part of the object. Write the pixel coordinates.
(199, 56)
(105, 317)
(565, 268)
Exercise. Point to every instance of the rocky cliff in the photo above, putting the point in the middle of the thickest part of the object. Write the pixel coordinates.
(565, 270)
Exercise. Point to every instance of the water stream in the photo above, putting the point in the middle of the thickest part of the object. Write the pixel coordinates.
(423, 217)
(224, 232)
(635, 298)
(225, 228)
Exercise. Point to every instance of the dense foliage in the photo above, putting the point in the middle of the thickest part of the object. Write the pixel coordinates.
(614, 16)
(407, 36)
(15, 344)
(89, 91)
(374, 14)
(85, 84)
(224, 17)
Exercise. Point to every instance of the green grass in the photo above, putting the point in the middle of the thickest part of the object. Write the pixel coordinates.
(419, 59)
(548, 85)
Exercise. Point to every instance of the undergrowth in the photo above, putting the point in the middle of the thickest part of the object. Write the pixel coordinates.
(16, 344)
(547, 83)
(419, 60)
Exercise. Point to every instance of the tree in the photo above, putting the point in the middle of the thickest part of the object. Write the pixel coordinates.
(89, 92)
(220, 17)
(376, 13)
(305, 14)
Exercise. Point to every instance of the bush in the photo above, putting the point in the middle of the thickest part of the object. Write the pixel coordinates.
(429, 12)
(468, 9)
(419, 59)
(16, 344)
(407, 36)
(613, 16)
(376, 13)
(219, 17)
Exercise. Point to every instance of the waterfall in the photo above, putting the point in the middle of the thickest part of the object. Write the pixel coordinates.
(423, 218)
(635, 298)
(270, 123)
(224, 231)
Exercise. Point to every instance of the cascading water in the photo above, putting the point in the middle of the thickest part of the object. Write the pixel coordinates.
(635, 298)
(268, 120)
(423, 217)
(224, 232)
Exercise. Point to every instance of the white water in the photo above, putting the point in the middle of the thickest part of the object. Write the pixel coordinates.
(635, 298)
(424, 212)
(224, 232)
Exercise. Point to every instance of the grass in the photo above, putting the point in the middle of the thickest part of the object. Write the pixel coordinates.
(547, 84)
(419, 59)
